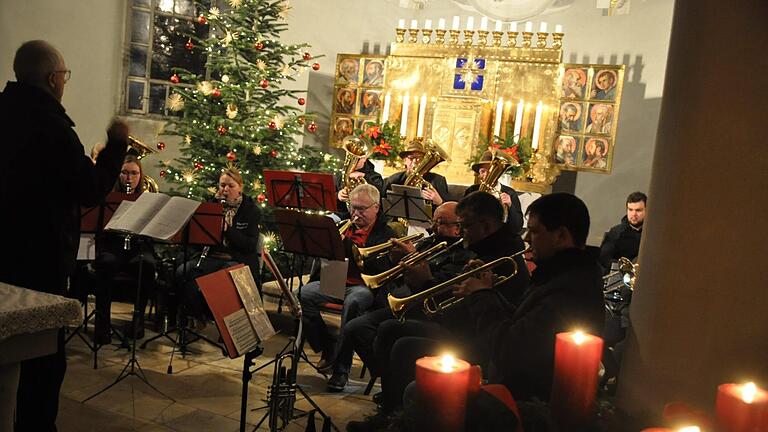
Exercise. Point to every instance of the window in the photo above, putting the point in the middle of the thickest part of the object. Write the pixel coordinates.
(157, 44)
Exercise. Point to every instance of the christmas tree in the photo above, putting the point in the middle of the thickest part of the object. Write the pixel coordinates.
(241, 113)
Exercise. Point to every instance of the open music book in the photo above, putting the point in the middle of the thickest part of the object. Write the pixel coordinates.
(155, 215)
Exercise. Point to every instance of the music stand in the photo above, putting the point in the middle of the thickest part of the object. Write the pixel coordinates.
(300, 190)
(406, 202)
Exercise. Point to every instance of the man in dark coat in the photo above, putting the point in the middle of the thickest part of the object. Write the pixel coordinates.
(367, 171)
(42, 153)
(506, 194)
(623, 240)
(411, 157)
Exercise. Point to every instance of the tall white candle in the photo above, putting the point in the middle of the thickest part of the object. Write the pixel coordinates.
(385, 110)
(529, 26)
(519, 119)
(513, 27)
(422, 114)
(558, 28)
(404, 114)
(414, 24)
(441, 24)
(470, 23)
(497, 121)
(498, 26)
(484, 23)
(543, 27)
(455, 25)
(428, 24)
(401, 23)
(536, 126)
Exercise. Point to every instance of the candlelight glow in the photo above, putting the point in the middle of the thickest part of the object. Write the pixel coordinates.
(689, 429)
(748, 392)
(447, 363)
(578, 337)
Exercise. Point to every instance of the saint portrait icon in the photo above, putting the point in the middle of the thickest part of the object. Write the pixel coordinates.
(596, 153)
(345, 100)
(604, 85)
(349, 69)
(342, 128)
(574, 83)
(600, 119)
(370, 101)
(566, 149)
(373, 73)
(570, 117)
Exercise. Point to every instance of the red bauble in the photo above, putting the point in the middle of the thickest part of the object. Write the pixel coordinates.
(312, 127)
(316, 66)
(272, 125)
(201, 20)
(161, 146)
(189, 45)
(259, 45)
(261, 198)
(302, 101)
(199, 166)
(163, 173)
(274, 153)
(216, 93)
(307, 56)
(222, 130)
(175, 79)
(231, 155)
(264, 83)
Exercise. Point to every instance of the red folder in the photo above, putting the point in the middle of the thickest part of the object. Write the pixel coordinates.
(222, 297)
(205, 226)
(93, 219)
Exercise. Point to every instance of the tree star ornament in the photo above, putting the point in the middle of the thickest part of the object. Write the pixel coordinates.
(205, 87)
(231, 111)
(257, 185)
(235, 3)
(214, 12)
(284, 9)
(286, 71)
(256, 150)
(187, 139)
(175, 102)
(279, 121)
(261, 64)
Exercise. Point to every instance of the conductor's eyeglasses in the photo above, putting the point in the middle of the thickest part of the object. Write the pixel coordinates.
(67, 74)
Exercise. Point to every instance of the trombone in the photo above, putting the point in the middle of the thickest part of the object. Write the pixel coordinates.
(430, 306)
(360, 254)
(379, 280)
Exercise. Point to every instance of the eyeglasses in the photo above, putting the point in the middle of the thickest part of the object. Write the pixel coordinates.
(359, 209)
(67, 74)
(442, 222)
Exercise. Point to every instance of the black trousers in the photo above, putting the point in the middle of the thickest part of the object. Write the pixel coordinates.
(358, 335)
(37, 399)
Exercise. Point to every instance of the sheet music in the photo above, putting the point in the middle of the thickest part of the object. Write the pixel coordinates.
(240, 329)
(249, 294)
(170, 218)
(87, 249)
(333, 277)
(137, 214)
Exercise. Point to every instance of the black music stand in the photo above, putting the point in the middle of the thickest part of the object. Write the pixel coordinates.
(300, 190)
(205, 228)
(406, 202)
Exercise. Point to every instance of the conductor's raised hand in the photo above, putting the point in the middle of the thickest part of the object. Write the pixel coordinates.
(118, 131)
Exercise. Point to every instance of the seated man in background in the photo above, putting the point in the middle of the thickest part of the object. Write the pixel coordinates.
(505, 194)
(623, 240)
(411, 157)
(368, 228)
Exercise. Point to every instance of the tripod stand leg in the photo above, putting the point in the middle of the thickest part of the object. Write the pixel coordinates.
(314, 405)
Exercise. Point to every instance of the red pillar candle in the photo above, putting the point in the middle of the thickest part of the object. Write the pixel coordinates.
(741, 408)
(442, 384)
(574, 384)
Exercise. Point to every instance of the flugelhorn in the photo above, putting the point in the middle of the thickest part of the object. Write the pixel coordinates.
(433, 156)
(359, 255)
(379, 280)
(355, 149)
(148, 184)
(430, 306)
(499, 165)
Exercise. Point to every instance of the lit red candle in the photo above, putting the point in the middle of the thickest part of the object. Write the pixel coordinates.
(741, 408)
(574, 384)
(442, 384)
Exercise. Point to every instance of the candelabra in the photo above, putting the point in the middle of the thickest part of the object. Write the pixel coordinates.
(440, 37)
(527, 36)
(541, 40)
(497, 38)
(482, 37)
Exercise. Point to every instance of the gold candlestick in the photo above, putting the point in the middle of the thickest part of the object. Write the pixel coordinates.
(557, 40)
(454, 40)
(440, 37)
(469, 36)
(541, 40)
(497, 38)
(426, 36)
(400, 32)
(413, 35)
(527, 36)
(512, 38)
(482, 37)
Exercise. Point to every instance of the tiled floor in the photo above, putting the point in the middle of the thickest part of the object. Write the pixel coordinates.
(203, 393)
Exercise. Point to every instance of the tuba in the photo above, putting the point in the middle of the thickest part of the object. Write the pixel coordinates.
(433, 155)
(355, 149)
(148, 184)
(499, 165)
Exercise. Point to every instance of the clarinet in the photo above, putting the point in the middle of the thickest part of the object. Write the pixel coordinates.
(204, 254)
(127, 238)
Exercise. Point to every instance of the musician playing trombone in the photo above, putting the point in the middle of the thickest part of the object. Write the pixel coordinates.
(411, 156)
(506, 194)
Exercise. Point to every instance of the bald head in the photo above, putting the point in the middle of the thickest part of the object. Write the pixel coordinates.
(38, 63)
(444, 220)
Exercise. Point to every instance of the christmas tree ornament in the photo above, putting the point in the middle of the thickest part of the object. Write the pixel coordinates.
(189, 45)
(279, 121)
(205, 87)
(312, 127)
(199, 166)
(257, 185)
(202, 20)
(214, 12)
(302, 101)
(225, 79)
(175, 79)
(307, 56)
(163, 173)
(264, 83)
(231, 155)
(256, 150)
(301, 120)
(316, 66)
(175, 102)
(261, 198)
(222, 130)
(261, 64)
(235, 3)
(259, 45)
(231, 111)
(216, 93)
(188, 139)
(274, 153)
(161, 146)
(272, 125)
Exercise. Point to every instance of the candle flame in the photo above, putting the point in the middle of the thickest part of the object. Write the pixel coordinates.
(689, 429)
(447, 363)
(579, 337)
(748, 392)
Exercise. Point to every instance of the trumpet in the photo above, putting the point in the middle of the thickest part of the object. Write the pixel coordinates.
(626, 272)
(379, 280)
(345, 225)
(359, 255)
(430, 306)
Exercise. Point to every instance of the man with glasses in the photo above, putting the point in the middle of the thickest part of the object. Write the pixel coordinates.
(369, 228)
(411, 157)
(43, 153)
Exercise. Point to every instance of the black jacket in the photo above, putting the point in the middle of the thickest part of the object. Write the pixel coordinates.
(42, 154)
(515, 212)
(565, 293)
(371, 177)
(436, 180)
(242, 237)
(623, 240)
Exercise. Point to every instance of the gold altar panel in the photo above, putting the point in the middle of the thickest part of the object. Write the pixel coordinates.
(454, 128)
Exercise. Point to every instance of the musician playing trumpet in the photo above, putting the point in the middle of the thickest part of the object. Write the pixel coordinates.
(506, 195)
(411, 157)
